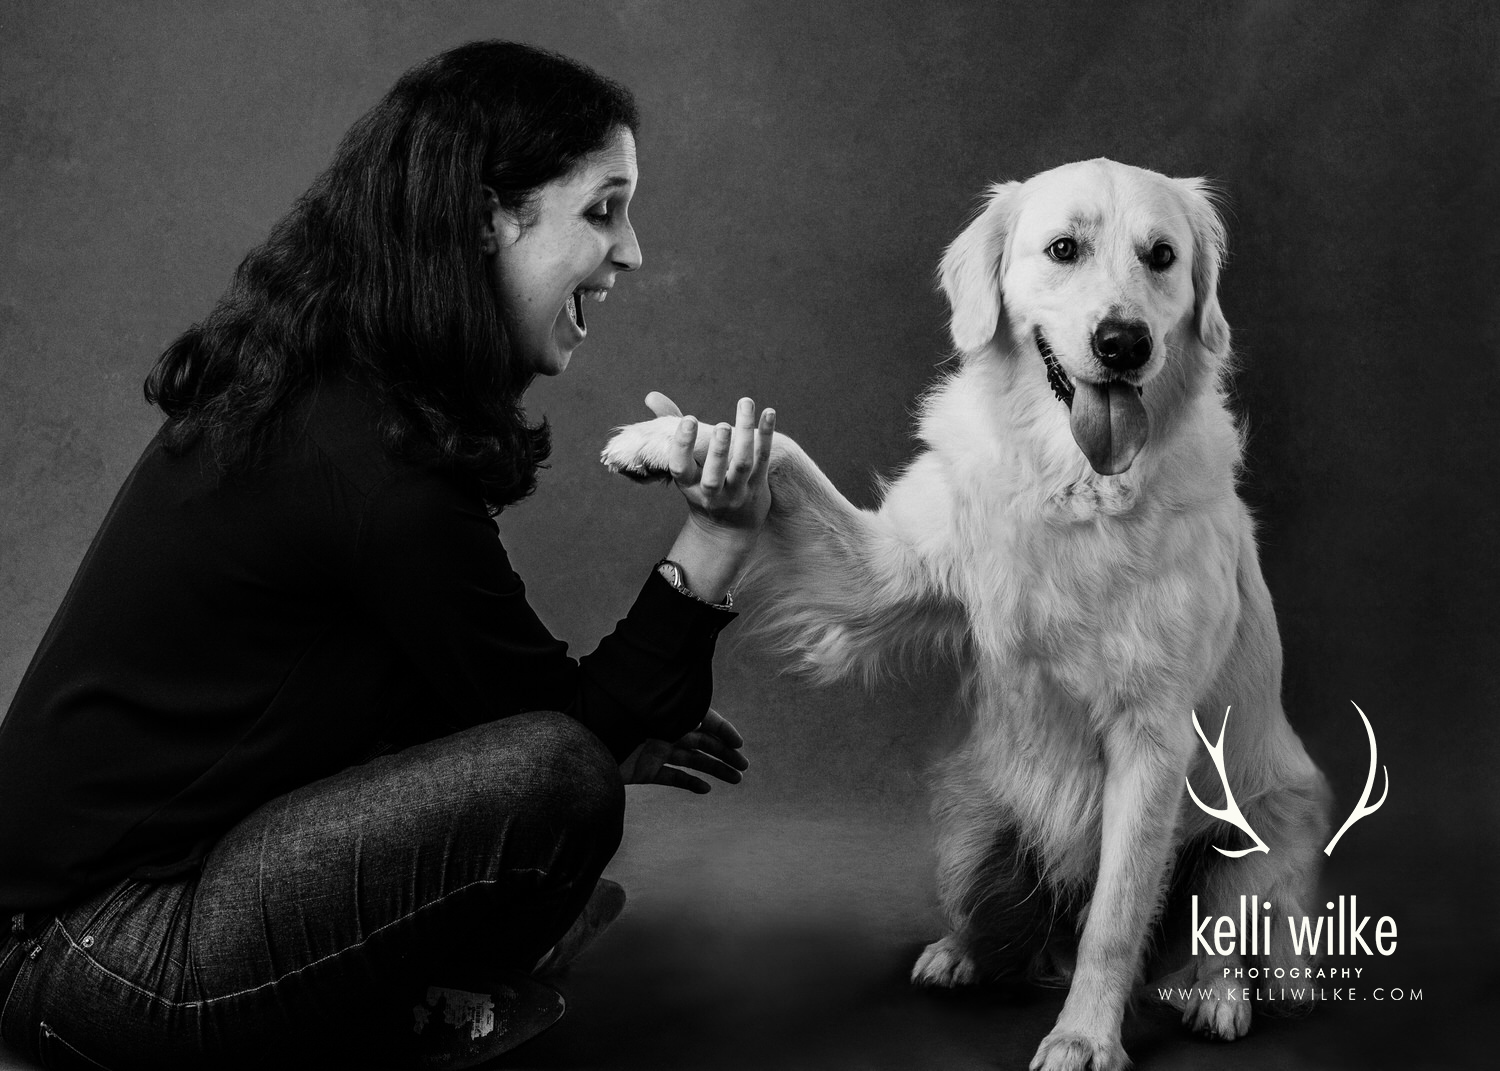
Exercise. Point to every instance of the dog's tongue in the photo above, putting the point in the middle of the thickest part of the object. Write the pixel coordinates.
(1109, 424)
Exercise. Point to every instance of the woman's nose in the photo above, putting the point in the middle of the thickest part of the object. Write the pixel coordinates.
(626, 255)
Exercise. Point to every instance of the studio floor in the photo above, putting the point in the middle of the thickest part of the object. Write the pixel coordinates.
(756, 940)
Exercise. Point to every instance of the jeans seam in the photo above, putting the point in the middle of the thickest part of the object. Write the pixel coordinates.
(102, 969)
(112, 902)
(27, 952)
(65, 1043)
(14, 985)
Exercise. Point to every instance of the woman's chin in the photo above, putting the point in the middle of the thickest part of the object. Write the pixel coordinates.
(554, 362)
(566, 337)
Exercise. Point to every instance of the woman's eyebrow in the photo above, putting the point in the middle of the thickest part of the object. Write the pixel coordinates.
(613, 182)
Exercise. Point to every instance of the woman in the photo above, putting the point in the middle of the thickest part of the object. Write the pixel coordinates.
(296, 769)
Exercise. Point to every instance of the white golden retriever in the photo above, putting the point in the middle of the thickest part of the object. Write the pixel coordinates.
(1072, 535)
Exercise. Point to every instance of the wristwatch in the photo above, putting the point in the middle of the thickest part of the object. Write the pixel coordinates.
(671, 572)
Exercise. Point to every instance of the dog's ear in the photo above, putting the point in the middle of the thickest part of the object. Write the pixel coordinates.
(1209, 244)
(970, 270)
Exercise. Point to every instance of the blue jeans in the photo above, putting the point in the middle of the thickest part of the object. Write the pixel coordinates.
(317, 920)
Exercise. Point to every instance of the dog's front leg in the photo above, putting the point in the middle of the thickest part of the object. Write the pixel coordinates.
(1142, 787)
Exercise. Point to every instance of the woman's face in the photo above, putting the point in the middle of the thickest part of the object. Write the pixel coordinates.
(546, 273)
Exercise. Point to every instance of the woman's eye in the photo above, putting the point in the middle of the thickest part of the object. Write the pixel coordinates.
(1063, 250)
(599, 213)
(1162, 256)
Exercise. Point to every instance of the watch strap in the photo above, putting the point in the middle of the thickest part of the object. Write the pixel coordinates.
(672, 573)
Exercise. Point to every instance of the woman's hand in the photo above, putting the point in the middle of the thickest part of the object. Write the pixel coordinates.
(729, 490)
(712, 748)
(728, 496)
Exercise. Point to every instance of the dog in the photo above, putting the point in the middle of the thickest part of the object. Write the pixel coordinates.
(1072, 535)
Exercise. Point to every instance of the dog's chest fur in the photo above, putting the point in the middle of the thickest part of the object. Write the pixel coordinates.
(1089, 602)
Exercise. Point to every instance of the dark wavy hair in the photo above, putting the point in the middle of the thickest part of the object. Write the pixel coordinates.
(378, 272)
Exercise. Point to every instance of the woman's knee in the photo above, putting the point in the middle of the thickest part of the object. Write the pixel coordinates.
(553, 765)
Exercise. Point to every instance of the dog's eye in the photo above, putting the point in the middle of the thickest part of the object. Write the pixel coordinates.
(1162, 256)
(1063, 250)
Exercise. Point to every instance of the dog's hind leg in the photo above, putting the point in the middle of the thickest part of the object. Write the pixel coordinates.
(1293, 819)
(999, 906)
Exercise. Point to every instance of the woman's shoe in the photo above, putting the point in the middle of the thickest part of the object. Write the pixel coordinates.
(460, 1028)
(604, 906)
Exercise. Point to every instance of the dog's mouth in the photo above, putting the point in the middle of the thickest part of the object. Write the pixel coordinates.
(1108, 420)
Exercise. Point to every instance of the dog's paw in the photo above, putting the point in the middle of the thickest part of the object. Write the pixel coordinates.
(642, 451)
(945, 962)
(1211, 1013)
(1068, 1051)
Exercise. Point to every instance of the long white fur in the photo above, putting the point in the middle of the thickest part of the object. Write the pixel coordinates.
(1091, 614)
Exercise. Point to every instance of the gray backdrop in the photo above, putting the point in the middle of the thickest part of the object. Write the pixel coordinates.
(803, 165)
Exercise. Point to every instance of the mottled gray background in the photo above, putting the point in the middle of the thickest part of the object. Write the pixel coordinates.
(803, 165)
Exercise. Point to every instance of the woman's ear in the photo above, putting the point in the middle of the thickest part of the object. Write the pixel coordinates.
(970, 270)
(496, 226)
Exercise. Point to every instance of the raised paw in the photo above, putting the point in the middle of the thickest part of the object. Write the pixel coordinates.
(1065, 1051)
(642, 451)
(945, 962)
(1210, 1012)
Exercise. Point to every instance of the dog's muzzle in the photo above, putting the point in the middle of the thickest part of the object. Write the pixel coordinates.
(1108, 420)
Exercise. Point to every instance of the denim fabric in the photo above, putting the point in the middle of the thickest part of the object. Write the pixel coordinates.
(317, 918)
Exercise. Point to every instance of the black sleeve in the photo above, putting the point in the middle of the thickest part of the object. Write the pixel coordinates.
(430, 567)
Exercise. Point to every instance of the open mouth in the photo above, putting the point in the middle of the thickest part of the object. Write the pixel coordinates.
(575, 304)
(1108, 420)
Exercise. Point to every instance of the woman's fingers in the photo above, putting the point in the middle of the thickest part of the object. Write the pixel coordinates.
(742, 451)
(716, 464)
(736, 457)
(713, 746)
(675, 778)
(712, 749)
(732, 453)
(682, 464)
(661, 405)
(765, 434)
(721, 727)
(704, 763)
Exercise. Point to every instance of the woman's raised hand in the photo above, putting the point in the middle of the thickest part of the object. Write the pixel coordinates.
(729, 489)
(728, 494)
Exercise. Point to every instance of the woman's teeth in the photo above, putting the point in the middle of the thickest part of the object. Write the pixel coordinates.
(575, 303)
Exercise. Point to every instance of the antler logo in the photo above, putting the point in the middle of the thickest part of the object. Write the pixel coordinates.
(1364, 806)
(1232, 814)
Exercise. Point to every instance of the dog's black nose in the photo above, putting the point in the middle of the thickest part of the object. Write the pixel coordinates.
(1122, 344)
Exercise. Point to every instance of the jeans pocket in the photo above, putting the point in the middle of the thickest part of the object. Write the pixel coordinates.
(57, 1054)
(97, 911)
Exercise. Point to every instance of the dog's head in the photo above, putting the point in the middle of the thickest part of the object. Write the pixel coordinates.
(1102, 279)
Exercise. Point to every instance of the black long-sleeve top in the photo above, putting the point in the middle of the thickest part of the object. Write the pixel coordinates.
(228, 639)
